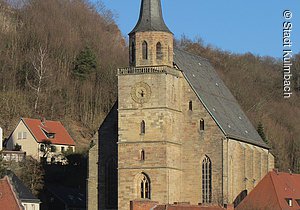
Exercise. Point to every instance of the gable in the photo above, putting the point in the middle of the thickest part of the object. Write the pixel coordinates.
(216, 98)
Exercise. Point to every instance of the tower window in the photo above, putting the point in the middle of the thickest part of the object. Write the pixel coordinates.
(145, 186)
(145, 50)
(191, 106)
(132, 52)
(143, 127)
(159, 54)
(142, 155)
(201, 125)
(206, 180)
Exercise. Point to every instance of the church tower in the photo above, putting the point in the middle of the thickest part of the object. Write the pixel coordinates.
(151, 42)
(149, 148)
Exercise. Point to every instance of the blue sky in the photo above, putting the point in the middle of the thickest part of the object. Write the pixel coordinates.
(238, 26)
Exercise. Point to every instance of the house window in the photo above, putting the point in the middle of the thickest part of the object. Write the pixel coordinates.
(206, 180)
(145, 50)
(19, 135)
(51, 135)
(143, 127)
(159, 54)
(145, 186)
(191, 106)
(142, 155)
(289, 201)
(24, 135)
(53, 149)
(62, 149)
(201, 125)
(42, 148)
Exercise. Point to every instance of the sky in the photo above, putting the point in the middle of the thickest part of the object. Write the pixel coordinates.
(237, 26)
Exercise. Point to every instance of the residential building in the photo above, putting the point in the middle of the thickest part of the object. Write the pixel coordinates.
(276, 191)
(176, 133)
(8, 198)
(24, 195)
(41, 139)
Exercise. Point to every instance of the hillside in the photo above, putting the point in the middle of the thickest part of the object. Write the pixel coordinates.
(60, 62)
(74, 49)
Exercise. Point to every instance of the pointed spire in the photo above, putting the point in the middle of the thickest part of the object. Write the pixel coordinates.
(151, 18)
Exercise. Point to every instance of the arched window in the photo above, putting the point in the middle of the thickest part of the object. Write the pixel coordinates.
(159, 54)
(145, 186)
(143, 127)
(145, 50)
(191, 106)
(132, 52)
(142, 155)
(206, 180)
(201, 125)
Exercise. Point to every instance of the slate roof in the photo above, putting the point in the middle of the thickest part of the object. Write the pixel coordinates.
(217, 98)
(38, 129)
(151, 18)
(73, 198)
(24, 194)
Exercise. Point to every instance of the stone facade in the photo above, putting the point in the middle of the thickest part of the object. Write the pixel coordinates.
(162, 133)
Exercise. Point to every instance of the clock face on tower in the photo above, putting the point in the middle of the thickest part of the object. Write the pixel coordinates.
(141, 92)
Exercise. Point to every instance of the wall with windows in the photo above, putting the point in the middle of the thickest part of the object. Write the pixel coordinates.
(201, 152)
(151, 48)
(22, 136)
(244, 166)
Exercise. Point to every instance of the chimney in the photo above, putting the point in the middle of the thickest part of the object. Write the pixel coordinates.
(43, 120)
(1, 138)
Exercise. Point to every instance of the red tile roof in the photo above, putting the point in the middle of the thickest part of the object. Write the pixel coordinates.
(8, 199)
(272, 192)
(37, 128)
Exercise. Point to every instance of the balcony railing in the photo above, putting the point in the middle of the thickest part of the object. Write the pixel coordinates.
(147, 70)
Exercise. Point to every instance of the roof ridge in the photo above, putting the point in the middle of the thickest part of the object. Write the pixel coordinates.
(190, 53)
(273, 184)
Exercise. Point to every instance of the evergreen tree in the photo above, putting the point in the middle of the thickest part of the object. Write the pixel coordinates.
(85, 63)
(261, 132)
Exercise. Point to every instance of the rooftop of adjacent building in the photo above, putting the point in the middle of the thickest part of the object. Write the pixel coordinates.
(50, 130)
(152, 205)
(279, 189)
(8, 198)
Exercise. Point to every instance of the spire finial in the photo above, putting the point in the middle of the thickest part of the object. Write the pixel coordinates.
(151, 18)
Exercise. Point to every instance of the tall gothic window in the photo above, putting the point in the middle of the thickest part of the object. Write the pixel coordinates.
(206, 180)
(142, 155)
(145, 186)
(191, 106)
(143, 127)
(201, 125)
(159, 54)
(145, 50)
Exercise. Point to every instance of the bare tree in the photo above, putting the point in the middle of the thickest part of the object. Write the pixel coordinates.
(39, 64)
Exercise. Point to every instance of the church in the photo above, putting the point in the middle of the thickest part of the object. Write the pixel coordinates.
(176, 133)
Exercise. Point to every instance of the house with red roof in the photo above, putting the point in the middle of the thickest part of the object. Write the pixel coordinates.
(8, 198)
(42, 139)
(276, 191)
